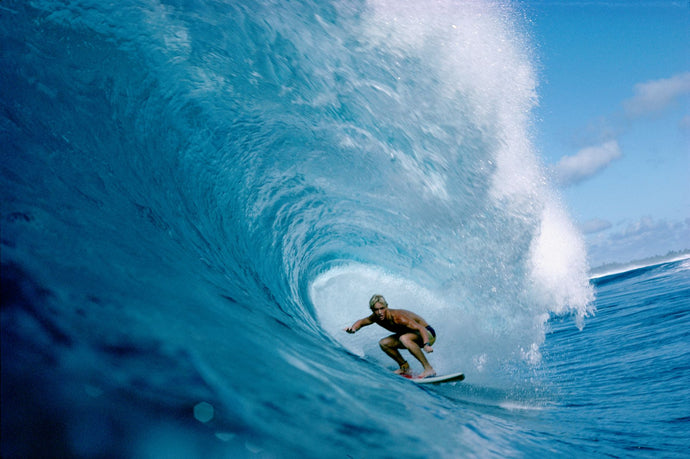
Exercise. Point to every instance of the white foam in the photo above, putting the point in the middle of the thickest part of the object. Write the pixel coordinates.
(480, 62)
(558, 265)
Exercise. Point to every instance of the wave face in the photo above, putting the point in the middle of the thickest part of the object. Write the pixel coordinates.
(198, 197)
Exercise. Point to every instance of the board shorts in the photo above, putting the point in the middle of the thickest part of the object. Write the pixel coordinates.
(432, 332)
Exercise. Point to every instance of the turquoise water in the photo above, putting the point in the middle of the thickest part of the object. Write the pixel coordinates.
(197, 197)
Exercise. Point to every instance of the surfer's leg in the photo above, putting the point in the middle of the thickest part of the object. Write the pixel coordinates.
(390, 345)
(409, 340)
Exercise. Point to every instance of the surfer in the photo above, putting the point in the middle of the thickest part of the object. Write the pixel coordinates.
(411, 332)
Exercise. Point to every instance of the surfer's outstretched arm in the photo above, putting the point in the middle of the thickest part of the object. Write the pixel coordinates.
(359, 324)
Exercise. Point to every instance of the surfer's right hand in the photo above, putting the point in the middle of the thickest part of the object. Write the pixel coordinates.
(349, 330)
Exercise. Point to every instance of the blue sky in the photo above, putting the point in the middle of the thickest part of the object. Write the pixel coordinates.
(613, 123)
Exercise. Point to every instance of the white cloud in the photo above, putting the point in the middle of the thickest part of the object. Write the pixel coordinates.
(640, 239)
(595, 225)
(654, 96)
(641, 227)
(586, 162)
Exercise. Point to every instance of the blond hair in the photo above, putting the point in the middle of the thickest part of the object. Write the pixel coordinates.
(377, 299)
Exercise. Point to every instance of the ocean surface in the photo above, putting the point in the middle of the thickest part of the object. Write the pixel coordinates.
(199, 196)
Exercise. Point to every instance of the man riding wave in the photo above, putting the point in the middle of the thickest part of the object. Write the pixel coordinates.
(410, 332)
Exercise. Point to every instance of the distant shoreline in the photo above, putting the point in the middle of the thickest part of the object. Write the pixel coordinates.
(617, 268)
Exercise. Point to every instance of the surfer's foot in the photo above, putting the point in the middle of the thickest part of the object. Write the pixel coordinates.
(428, 374)
(403, 370)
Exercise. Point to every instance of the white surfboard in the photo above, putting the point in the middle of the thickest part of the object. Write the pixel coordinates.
(437, 379)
